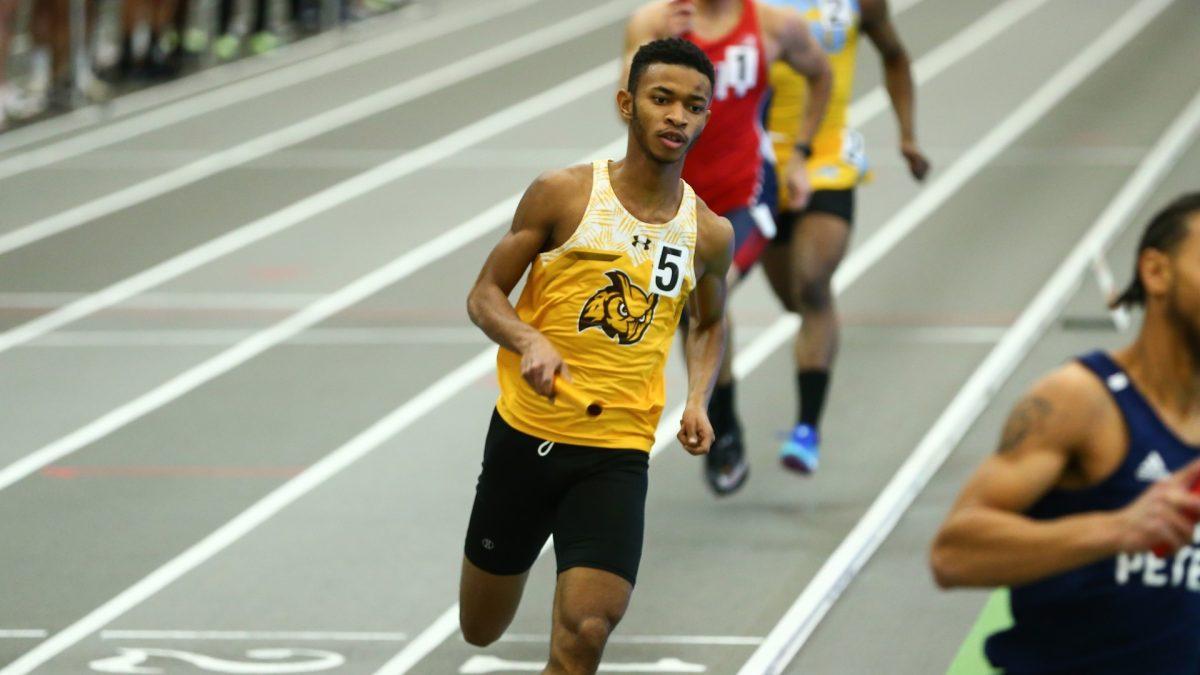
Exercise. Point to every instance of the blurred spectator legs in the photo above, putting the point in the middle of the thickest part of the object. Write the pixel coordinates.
(51, 39)
(79, 83)
(274, 25)
(151, 48)
(52, 50)
(238, 19)
(8, 15)
(30, 96)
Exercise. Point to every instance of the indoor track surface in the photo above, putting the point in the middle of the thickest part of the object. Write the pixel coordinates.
(243, 407)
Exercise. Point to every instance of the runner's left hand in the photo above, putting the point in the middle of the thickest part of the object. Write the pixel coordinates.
(798, 185)
(695, 431)
(918, 164)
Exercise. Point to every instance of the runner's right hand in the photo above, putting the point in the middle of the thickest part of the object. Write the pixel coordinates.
(695, 431)
(1164, 516)
(680, 14)
(918, 163)
(540, 362)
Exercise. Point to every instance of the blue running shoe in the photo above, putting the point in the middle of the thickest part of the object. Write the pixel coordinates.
(801, 451)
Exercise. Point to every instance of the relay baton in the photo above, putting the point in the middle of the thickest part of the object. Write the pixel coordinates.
(573, 396)
(1161, 549)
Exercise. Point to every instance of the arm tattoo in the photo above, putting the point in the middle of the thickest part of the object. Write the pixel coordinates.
(1027, 417)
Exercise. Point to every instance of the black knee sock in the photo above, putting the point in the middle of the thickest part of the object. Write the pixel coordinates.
(811, 386)
(721, 411)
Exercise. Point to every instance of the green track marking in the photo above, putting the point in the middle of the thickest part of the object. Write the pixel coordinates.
(994, 616)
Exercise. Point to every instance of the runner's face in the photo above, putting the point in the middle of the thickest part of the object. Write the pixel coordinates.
(1183, 298)
(670, 110)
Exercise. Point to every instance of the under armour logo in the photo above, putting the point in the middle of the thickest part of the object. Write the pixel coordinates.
(489, 544)
(644, 243)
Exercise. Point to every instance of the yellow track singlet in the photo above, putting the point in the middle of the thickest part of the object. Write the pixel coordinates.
(609, 300)
(839, 159)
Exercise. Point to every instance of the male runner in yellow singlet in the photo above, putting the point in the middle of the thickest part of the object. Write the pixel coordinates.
(615, 251)
(811, 242)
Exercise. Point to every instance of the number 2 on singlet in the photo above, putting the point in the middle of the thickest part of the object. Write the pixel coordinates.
(835, 13)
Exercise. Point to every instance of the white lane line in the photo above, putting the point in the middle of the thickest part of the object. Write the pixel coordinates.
(316, 48)
(1039, 158)
(246, 88)
(480, 665)
(436, 395)
(308, 207)
(429, 335)
(861, 259)
(340, 158)
(411, 335)
(802, 618)
(1109, 291)
(361, 445)
(436, 633)
(717, 640)
(22, 634)
(287, 635)
(173, 300)
(963, 335)
(348, 113)
(358, 290)
(927, 67)
(306, 158)
(1007, 131)
(948, 53)
(900, 6)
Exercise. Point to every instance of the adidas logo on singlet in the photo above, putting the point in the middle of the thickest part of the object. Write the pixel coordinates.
(1153, 468)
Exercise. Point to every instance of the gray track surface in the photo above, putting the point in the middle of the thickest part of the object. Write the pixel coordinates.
(376, 547)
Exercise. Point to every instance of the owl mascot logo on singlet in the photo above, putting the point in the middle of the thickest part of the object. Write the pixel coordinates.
(621, 309)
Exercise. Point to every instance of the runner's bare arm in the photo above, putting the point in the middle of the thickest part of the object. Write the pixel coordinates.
(545, 203)
(897, 69)
(705, 342)
(800, 50)
(988, 541)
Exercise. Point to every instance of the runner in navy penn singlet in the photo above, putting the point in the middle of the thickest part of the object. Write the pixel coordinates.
(1087, 511)
(1135, 613)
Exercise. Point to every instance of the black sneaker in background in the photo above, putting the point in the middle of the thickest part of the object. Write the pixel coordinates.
(725, 466)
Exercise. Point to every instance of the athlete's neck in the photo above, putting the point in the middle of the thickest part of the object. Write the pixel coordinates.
(716, 7)
(1166, 365)
(646, 185)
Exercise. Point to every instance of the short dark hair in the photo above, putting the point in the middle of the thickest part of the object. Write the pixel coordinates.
(1164, 233)
(671, 51)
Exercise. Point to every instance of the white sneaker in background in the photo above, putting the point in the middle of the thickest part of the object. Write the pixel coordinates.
(140, 41)
(33, 98)
(90, 86)
(107, 36)
(24, 104)
(39, 70)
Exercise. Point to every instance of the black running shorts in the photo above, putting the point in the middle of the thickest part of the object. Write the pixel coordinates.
(838, 203)
(593, 500)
